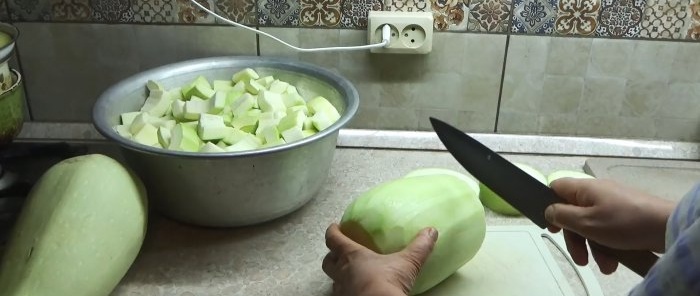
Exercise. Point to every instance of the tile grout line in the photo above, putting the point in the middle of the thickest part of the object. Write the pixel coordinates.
(500, 90)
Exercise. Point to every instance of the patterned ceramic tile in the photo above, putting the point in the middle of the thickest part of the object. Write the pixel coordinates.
(112, 11)
(577, 17)
(70, 10)
(620, 18)
(4, 14)
(694, 29)
(283, 13)
(320, 13)
(190, 14)
(354, 12)
(489, 15)
(29, 10)
(242, 11)
(664, 19)
(534, 16)
(159, 11)
(409, 5)
(450, 14)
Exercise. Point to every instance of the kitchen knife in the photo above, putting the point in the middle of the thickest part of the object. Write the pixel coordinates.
(519, 189)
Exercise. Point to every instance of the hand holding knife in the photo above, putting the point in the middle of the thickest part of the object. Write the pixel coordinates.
(509, 182)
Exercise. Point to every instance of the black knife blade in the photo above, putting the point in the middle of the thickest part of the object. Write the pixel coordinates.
(519, 189)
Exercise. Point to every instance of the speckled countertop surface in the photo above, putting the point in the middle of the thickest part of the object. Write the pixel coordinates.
(283, 257)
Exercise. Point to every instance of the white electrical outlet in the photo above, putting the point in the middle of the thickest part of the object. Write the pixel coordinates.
(411, 32)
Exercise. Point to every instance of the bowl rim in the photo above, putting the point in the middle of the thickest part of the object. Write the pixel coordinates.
(340, 83)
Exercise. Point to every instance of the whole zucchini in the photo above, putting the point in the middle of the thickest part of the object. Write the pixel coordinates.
(80, 230)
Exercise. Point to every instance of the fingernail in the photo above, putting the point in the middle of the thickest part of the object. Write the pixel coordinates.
(432, 232)
(549, 214)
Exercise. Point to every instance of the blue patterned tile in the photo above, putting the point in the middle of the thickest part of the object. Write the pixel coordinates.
(29, 10)
(354, 13)
(283, 13)
(534, 16)
(620, 18)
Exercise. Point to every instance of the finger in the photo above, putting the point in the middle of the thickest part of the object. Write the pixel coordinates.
(418, 251)
(576, 245)
(329, 265)
(337, 242)
(606, 264)
(567, 216)
(567, 188)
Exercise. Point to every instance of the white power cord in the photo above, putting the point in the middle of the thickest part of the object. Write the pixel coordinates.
(386, 35)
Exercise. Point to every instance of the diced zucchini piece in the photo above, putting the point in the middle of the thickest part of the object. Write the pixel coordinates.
(292, 100)
(217, 103)
(233, 96)
(249, 142)
(292, 120)
(184, 138)
(212, 127)
(234, 136)
(157, 105)
(293, 134)
(195, 107)
(222, 145)
(271, 102)
(254, 87)
(238, 87)
(245, 75)
(186, 92)
(302, 108)
(140, 121)
(227, 114)
(291, 89)
(164, 136)
(321, 105)
(277, 142)
(152, 85)
(278, 86)
(321, 121)
(176, 94)
(243, 104)
(123, 130)
(210, 147)
(148, 135)
(269, 134)
(128, 117)
(222, 85)
(308, 132)
(308, 124)
(178, 109)
(266, 81)
(203, 91)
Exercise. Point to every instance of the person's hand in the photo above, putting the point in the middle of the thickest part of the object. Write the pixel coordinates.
(609, 214)
(359, 271)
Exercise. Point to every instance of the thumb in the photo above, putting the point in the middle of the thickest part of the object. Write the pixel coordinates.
(419, 249)
(566, 216)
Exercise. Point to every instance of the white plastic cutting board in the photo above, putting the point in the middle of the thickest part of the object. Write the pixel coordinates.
(515, 260)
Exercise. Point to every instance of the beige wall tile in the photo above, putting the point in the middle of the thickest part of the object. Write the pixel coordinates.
(385, 118)
(602, 96)
(569, 56)
(557, 124)
(683, 101)
(678, 129)
(67, 66)
(518, 122)
(610, 58)
(643, 98)
(468, 121)
(686, 65)
(523, 81)
(652, 60)
(562, 94)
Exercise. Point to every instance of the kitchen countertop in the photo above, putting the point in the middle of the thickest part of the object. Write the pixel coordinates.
(283, 257)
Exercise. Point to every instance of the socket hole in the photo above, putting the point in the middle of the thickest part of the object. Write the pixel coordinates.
(405, 34)
(413, 40)
(393, 34)
(413, 28)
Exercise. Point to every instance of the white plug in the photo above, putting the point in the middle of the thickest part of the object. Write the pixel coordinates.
(386, 35)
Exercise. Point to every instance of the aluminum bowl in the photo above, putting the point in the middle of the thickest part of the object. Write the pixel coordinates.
(234, 188)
